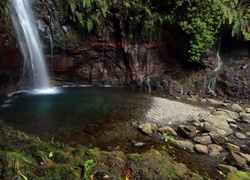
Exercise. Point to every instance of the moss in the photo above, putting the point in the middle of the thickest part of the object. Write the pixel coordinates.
(23, 156)
(239, 175)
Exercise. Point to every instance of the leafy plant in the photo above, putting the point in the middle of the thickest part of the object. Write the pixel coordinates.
(88, 165)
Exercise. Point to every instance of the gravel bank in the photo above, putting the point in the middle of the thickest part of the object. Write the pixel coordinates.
(166, 112)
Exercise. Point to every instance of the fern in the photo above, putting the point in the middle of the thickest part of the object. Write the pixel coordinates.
(89, 25)
(72, 6)
(79, 17)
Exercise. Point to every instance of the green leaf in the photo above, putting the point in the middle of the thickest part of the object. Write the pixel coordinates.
(50, 154)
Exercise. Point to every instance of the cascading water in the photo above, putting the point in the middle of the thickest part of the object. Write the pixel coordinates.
(218, 59)
(148, 65)
(212, 82)
(34, 65)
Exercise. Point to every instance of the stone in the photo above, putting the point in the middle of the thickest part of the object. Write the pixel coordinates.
(213, 101)
(232, 114)
(232, 147)
(148, 128)
(227, 168)
(218, 125)
(203, 100)
(235, 160)
(218, 138)
(245, 156)
(201, 148)
(233, 125)
(247, 110)
(245, 117)
(186, 145)
(203, 139)
(248, 133)
(192, 98)
(240, 135)
(194, 122)
(187, 131)
(214, 149)
(168, 130)
(217, 147)
(236, 108)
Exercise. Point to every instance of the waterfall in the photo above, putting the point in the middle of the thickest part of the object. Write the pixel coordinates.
(24, 23)
(148, 64)
(218, 59)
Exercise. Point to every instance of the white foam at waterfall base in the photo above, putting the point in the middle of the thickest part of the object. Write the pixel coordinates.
(45, 91)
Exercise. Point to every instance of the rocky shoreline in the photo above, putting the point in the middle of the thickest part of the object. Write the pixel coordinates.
(219, 129)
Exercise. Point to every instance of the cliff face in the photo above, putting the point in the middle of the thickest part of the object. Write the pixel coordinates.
(10, 63)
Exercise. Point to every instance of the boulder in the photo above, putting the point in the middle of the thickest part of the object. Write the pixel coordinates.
(227, 168)
(247, 110)
(201, 148)
(236, 108)
(217, 125)
(168, 130)
(186, 145)
(203, 139)
(218, 138)
(245, 117)
(214, 149)
(231, 114)
(148, 128)
(245, 156)
(187, 131)
(235, 160)
(232, 147)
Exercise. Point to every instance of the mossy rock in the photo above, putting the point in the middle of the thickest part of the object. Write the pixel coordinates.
(239, 175)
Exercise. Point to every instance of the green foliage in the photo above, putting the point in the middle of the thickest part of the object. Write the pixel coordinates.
(201, 21)
(237, 15)
(88, 165)
(145, 20)
(4, 12)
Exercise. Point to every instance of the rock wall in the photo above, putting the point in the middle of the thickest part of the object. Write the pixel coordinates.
(10, 63)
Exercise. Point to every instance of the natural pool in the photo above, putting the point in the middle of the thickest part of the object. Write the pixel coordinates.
(97, 116)
(93, 117)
